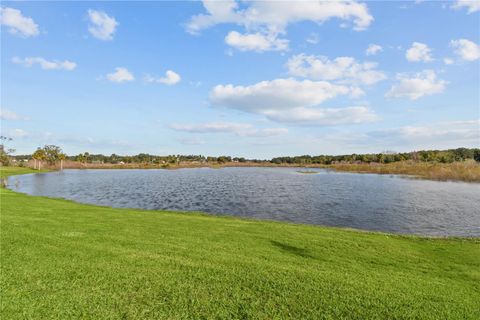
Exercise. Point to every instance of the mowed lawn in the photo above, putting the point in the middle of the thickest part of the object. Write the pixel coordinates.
(63, 260)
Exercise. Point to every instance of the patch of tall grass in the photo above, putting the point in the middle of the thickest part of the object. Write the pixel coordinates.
(460, 171)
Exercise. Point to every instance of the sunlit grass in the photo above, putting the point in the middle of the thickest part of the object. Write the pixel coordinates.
(10, 171)
(63, 260)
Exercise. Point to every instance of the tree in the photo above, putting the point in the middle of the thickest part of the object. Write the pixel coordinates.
(380, 158)
(223, 159)
(52, 153)
(39, 155)
(476, 155)
(62, 157)
(5, 153)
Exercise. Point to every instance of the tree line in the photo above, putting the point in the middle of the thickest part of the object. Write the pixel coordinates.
(442, 156)
(52, 155)
(150, 158)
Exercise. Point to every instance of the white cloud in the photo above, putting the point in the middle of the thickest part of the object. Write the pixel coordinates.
(102, 26)
(448, 61)
(444, 130)
(471, 5)
(170, 78)
(264, 21)
(276, 94)
(240, 129)
(17, 23)
(419, 52)
(373, 49)
(313, 38)
(17, 133)
(291, 101)
(323, 116)
(45, 64)
(269, 132)
(120, 75)
(439, 135)
(344, 69)
(421, 84)
(191, 141)
(275, 16)
(255, 42)
(10, 115)
(466, 49)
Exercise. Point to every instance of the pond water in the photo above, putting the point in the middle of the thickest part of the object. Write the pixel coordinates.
(362, 201)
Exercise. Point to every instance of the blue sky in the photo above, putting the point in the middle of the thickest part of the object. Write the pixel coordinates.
(253, 79)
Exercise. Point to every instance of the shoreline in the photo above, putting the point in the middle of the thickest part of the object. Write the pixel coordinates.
(466, 171)
(241, 218)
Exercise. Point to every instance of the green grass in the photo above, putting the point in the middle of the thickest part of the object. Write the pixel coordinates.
(11, 171)
(63, 260)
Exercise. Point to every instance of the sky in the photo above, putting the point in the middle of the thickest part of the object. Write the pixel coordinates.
(242, 78)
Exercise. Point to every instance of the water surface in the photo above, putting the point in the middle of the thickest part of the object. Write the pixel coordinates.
(363, 201)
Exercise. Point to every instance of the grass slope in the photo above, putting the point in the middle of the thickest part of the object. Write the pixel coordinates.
(63, 260)
(11, 171)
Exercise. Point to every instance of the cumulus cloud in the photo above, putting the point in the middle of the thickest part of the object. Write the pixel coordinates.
(471, 5)
(276, 94)
(323, 116)
(120, 75)
(264, 21)
(170, 78)
(10, 115)
(240, 129)
(313, 38)
(344, 69)
(439, 135)
(255, 42)
(45, 64)
(466, 49)
(17, 133)
(442, 134)
(17, 23)
(291, 101)
(373, 49)
(448, 61)
(191, 141)
(464, 130)
(102, 26)
(419, 52)
(275, 16)
(421, 84)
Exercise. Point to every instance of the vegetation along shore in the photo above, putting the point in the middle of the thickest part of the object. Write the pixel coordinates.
(461, 164)
(64, 260)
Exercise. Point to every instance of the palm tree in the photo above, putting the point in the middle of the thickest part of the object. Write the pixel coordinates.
(61, 156)
(39, 155)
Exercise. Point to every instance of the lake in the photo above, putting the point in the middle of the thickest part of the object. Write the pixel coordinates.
(363, 201)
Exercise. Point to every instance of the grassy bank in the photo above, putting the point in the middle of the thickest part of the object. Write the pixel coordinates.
(11, 171)
(457, 171)
(63, 260)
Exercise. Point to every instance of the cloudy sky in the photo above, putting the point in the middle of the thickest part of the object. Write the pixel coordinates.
(253, 79)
